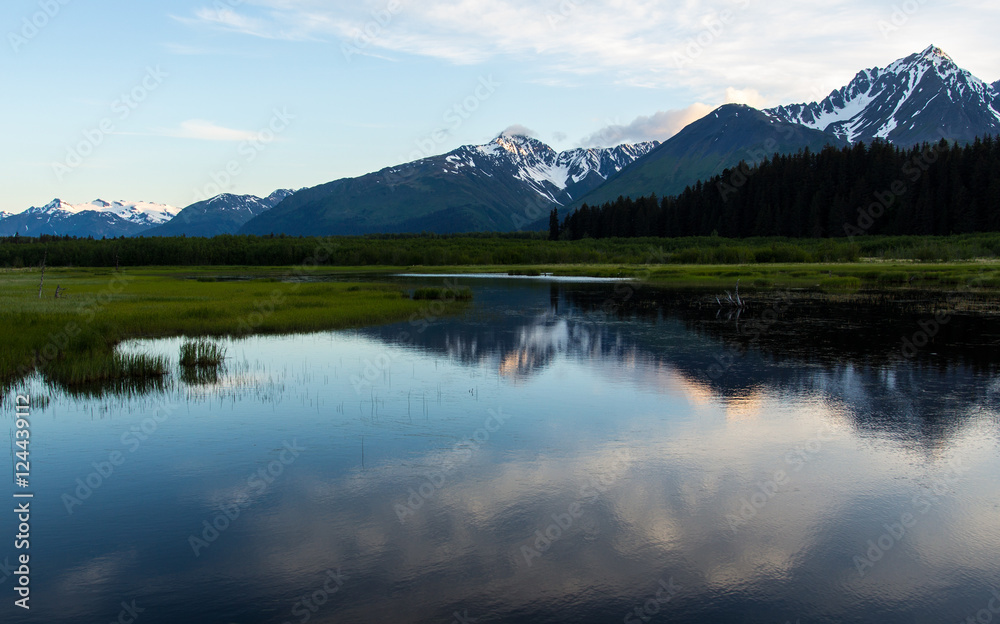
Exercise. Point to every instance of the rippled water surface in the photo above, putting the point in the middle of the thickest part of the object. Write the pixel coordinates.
(560, 452)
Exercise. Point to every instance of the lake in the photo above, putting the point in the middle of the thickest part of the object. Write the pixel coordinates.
(562, 451)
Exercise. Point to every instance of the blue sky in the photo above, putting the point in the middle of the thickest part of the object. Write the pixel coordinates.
(171, 102)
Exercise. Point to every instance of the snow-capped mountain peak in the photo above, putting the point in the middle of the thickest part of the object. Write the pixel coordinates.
(932, 52)
(548, 173)
(140, 213)
(255, 205)
(922, 97)
(96, 218)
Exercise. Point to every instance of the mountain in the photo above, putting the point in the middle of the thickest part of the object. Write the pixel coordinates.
(923, 97)
(718, 141)
(499, 186)
(97, 218)
(222, 214)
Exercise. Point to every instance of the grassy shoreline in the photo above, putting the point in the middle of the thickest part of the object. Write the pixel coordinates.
(65, 337)
(957, 277)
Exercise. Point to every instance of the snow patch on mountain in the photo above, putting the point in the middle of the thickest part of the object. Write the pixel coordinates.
(140, 213)
(228, 202)
(879, 101)
(545, 171)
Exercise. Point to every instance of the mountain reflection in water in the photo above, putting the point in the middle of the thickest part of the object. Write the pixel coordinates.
(560, 452)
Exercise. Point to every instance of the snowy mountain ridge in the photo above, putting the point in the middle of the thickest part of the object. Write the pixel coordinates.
(549, 173)
(139, 213)
(500, 186)
(922, 97)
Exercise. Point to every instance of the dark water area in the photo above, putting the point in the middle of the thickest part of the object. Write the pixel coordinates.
(562, 451)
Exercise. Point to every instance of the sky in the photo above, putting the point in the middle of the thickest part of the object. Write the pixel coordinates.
(174, 102)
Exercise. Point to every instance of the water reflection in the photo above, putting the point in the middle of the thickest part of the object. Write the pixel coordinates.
(547, 457)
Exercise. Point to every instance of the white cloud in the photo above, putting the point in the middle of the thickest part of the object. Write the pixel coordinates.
(659, 126)
(750, 97)
(662, 125)
(519, 130)
(790, 50)
(202, 130)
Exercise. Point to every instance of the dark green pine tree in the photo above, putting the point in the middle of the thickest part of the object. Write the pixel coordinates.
(554, 224)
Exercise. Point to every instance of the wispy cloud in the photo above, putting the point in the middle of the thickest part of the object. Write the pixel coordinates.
(202, 130)
(664, 124)
(658, 126)
(519, 130)
(785, 48)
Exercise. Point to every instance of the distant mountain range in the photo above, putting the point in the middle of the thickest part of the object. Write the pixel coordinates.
(97, 218)
(513, 181)
(499, 186)
(222, 214)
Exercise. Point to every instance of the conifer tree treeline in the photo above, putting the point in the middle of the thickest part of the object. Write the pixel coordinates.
(935, 189)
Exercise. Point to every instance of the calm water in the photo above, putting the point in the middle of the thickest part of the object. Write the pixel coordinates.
(561, 452)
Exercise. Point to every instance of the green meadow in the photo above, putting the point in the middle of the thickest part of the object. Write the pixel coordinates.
(71, 340)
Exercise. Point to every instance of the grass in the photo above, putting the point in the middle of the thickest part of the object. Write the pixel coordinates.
(120, 373)
(510, 250)
(72, 340)
(201, 362)
(202, 354)
(870, 275)
(442, 294)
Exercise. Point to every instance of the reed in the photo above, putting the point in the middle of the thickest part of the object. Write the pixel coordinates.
(202, 353)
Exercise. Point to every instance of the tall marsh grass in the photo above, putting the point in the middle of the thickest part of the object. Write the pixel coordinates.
(202, 353)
